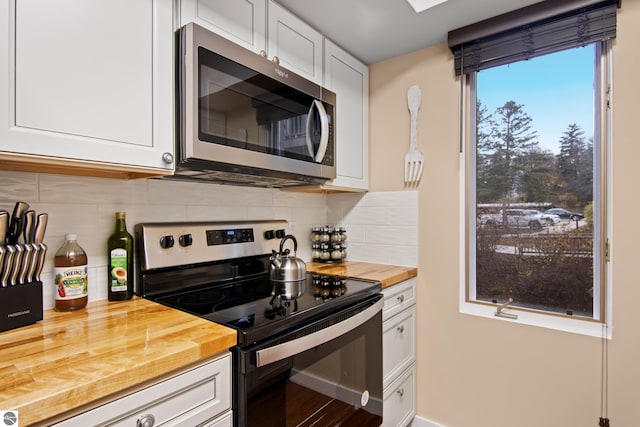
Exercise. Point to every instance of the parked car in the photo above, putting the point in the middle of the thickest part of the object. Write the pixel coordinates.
(565, 214)
(548, 219)
(515, 218)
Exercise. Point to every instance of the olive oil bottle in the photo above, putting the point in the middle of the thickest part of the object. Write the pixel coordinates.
(120, 272)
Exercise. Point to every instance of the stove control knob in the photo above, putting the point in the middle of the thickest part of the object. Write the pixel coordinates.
(280, 233)
(185, 240)
(269, 234)
(166, 242)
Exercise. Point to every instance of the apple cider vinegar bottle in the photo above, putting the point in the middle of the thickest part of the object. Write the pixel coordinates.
(120, 269)
(71, 276)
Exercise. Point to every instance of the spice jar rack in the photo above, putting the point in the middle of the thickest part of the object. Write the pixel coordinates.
(328, 244)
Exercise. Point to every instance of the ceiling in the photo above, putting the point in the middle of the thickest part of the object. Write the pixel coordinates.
(375, 30)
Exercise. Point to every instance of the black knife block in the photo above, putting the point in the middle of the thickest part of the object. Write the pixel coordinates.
(20, 305)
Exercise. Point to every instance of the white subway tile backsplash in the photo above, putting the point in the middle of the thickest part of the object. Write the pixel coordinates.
(397, 235)
(164, 191)
(381, 227)
(17, 186)
(392, 199)
(86, 206)
(68, 189)
(216, 213)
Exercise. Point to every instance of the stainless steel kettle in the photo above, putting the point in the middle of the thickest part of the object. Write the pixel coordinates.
(285, 267)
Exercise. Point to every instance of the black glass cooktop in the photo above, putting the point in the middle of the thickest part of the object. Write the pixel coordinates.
(260, 308)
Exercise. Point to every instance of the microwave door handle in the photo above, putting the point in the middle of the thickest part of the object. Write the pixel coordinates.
(290, 348)
(324, 131)
(310, 130)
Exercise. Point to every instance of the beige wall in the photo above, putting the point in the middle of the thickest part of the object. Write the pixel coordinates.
(477, 372)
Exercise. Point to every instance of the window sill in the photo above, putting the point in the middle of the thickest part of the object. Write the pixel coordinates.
(559, 323)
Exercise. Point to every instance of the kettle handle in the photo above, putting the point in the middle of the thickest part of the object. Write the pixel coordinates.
(295, 243)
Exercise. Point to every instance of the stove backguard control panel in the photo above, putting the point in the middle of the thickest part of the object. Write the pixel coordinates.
(172, 244)
(229, 236)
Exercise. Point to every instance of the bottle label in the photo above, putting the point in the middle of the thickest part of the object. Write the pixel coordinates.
(71, 282)
(118, 282)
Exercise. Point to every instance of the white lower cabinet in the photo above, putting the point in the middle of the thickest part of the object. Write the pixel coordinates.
(400, 399)
(399, 353)
(198, 397)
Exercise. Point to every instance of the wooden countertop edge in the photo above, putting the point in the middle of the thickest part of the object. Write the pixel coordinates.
(387, 275)
(152, 352)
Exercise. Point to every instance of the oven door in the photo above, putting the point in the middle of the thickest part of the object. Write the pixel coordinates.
(328, 373)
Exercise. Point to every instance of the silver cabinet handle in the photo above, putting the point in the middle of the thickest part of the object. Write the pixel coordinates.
(401, 298)
(275, 60)
(400, 328)
(146, 420)
(167, 158)
(400, 391)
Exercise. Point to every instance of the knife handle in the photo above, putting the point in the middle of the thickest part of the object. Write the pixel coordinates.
(29, 226)
(3, 252)
(15, 269)
(40, 264)
(33, 262)
(8, 264)
(24, 266)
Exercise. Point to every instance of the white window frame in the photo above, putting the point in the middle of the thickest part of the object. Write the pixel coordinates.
(591, 327)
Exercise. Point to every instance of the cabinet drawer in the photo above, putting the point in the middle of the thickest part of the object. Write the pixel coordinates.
(399, 344)
(225, 420)
(187, 399)
(399, 404)
(398, 297)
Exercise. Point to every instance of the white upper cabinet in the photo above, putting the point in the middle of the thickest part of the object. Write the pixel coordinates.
(261, 26)
(89, 82)
(297, 46)
(349, 79)
(241, 21)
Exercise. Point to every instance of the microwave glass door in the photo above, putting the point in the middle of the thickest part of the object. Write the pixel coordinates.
(240, 107)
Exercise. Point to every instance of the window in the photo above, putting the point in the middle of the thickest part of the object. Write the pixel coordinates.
(535, 136)
(535, 179)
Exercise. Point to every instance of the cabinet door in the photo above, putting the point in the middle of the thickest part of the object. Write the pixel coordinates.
(241, 21)
(88, 80)
(349, 79)
(297, 45)
(188, 399)
(399, 344)
(398, 297)
(399, 404)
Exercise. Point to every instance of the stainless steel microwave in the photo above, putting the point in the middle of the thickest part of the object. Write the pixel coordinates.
(244, 120)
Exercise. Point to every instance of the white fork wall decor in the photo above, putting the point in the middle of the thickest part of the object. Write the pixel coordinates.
(414, 159)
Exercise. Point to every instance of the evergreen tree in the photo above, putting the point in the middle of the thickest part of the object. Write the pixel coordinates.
(539, 175)
(575, 163)
(511, 141)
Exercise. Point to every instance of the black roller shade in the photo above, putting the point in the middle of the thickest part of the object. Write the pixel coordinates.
(535, 30)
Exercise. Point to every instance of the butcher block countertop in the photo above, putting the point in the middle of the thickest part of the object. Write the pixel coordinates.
(386, 274)
(70, 359)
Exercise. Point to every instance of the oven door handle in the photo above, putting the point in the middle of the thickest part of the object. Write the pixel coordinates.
(290, 348)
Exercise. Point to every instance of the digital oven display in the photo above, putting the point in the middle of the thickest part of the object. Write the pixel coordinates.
(226, 237)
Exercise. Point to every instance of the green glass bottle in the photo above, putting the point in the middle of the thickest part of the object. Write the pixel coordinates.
(120, 273)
